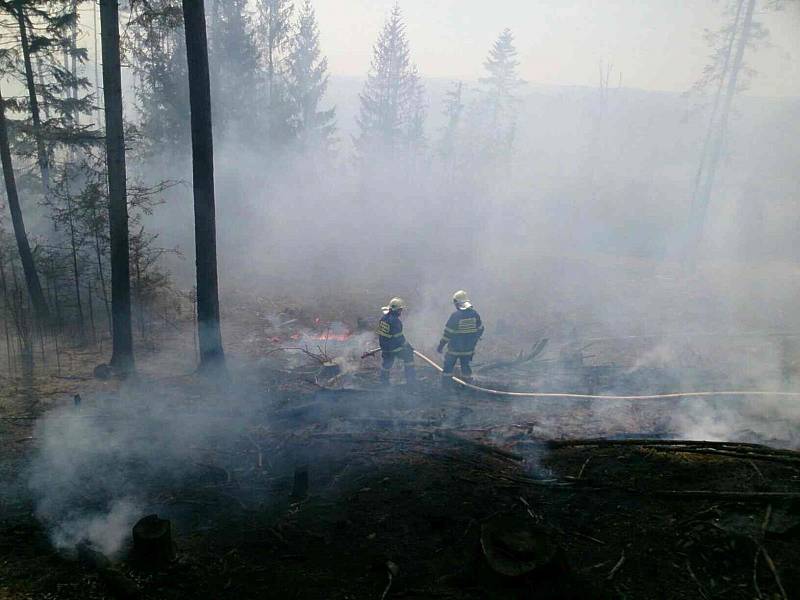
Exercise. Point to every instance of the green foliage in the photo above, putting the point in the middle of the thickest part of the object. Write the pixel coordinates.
(391, 115)
(307, 81)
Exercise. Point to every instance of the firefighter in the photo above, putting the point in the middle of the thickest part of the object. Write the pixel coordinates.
(461, 333)
(393, 343)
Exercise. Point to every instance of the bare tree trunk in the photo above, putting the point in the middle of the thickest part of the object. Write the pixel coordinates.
(90, 301)
(41, 152)
(718, 140)
(74, 64)
(26, 256)
(95, 43)
(22, 326)
(122, 354)
(76, 272)
(6, 316)
(717, 97)
(101, 272)
(208, 329)
(57, 330)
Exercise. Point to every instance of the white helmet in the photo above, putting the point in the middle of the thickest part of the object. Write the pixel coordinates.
(394, 304)
(461, 300)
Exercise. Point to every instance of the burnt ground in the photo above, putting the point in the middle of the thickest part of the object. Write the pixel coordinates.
(407, 491)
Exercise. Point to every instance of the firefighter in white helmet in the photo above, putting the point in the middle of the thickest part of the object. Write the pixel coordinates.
(461, 334)
(393, 342)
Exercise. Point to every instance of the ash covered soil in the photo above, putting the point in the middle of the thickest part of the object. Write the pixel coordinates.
(425, 493)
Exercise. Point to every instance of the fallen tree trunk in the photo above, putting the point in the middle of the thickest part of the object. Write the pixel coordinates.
(605, 442)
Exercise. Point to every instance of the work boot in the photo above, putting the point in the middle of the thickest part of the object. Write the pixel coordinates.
(385, 377)
(447, 381)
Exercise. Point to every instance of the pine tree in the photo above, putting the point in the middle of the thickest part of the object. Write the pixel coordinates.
(725, 70)
(56, 94)
(275, 25)
(307, 81)
(502, 82)
(391, 98)
(158, 50)
(208, 330)
(234, 68)
(26, 256)
(497, 106)
(122, 354)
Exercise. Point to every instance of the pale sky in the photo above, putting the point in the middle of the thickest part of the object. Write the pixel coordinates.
(655, 44)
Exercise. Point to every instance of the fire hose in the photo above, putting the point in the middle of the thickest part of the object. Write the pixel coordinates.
(706, 394)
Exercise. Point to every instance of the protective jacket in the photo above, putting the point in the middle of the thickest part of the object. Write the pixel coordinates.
(462, 332)
(390, 333)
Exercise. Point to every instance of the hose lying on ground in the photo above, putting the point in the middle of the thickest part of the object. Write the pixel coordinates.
(484, 390)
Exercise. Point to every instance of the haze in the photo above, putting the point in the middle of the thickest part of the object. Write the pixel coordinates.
(655, 44)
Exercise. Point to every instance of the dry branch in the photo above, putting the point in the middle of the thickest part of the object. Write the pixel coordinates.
(740, 447)
(617, 567)
(536, 350)
(774, 570)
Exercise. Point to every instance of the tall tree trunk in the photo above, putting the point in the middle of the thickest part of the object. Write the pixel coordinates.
(6, 316)
(95, 43)
(718, 140)
(717, 97)
(208, 330)
(26, 256)
(73, 242)
(122, 336)
(74, 64)
(41, 151)
(103, 287)
(90, 302)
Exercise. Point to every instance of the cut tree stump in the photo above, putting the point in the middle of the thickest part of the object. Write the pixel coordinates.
(300, 486)
(514, 547)
(152, 541)
(103, 372)
(329, 369)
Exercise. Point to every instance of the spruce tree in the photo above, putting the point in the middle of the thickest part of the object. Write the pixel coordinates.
(275, 27)
(234, 67)
(496, 111)
(307, 81)
(392, 97)
(502, 81)
(158, 51)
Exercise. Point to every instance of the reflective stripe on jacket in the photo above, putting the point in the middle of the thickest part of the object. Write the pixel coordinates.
(390, 333)
(462, 332)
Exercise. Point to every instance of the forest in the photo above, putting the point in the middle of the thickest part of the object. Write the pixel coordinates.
(200, 225)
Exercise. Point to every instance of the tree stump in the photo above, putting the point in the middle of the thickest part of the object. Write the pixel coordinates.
(330, 369)
(300, 486)
(103, 372)
(514, 547)
(152, 541)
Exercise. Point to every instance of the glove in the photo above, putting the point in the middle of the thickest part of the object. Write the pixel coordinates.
(440, 348)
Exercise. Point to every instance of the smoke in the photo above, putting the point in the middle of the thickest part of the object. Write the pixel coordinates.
(105, 531)
(577, 233)
(100, 464)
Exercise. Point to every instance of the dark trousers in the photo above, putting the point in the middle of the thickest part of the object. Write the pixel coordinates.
(407, 356)
(450, 363)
